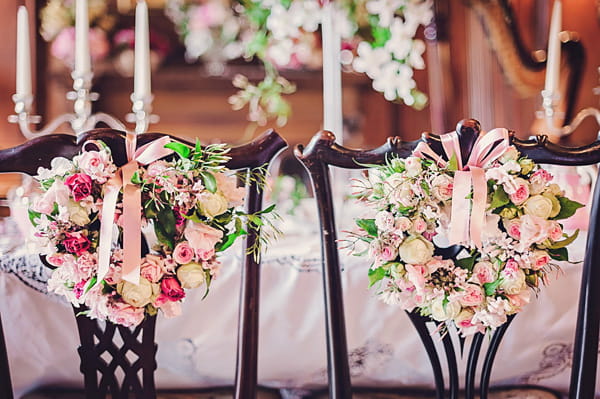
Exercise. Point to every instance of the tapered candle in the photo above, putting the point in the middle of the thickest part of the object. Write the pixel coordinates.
(141, 82)
(332, 91)
(553, 64)
(82, 41)
(23, 54)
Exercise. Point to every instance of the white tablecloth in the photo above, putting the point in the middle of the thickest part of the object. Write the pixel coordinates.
(198, 348)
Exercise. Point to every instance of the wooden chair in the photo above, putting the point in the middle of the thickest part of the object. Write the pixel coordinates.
(322, 152)
(98, 339)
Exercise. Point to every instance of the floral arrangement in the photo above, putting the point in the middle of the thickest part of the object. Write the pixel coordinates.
(108, 43)
(189, 200)
(494, 272)
(378, 40)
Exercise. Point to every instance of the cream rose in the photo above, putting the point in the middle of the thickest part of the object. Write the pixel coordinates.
(443, 312)
(511, 154)
(538, 205)
(191, 275)
(513, 284)
(555, 204)
(416, 250)
(138, 295)
(404, 195)
(77, 214)
(212, 205)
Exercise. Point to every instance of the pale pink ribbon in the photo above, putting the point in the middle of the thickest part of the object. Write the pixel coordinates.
(467, 223)
(132, 208)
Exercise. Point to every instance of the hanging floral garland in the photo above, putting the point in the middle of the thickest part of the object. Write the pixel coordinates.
(503, 210)
(189, 199)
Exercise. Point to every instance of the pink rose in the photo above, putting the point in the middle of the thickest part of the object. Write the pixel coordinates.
(96, 164)
(171, 309)
(59, 259)
(540, 259)
(472, 296)
(156, 168)
(172, 289)
(513, 228)
(511, 267)
(76, 243)
(419, 225)
(542, 175)
(183, 253)
(521, 193)
(125, 314)
(57, 193)
(556, 232)
(152, 268)
(416, 275)
(80, 185)
(86, 265)
(442, 187)
(201, 236)
(484, 272)
(228, 187)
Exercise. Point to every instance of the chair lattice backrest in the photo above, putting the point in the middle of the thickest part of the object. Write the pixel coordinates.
(322, 153)
(121, 361)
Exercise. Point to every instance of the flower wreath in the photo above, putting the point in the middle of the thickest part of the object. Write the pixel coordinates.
(422, 204)
(190, 201)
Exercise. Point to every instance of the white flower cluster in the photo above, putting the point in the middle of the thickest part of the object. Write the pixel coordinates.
(391, 65)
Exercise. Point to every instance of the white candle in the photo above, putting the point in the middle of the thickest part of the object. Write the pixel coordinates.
(332, 88)
(553, 63)
(82, 43)
(141, 83)
(23, 54)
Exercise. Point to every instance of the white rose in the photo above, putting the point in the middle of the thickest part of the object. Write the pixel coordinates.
(538, 205)
(416, 250)
(403, 223)
(413, 166)
(511, 154)
(404, 195)
(513, 284)
(191, 275)
(212, 205)
(77, 214)
(536, 184)
(138, 295)
(441, 312)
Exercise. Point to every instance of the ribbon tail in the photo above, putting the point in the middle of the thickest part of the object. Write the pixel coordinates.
(423, 150)
(132, 225)
(477, 222)
(459, 218)
(109, 206)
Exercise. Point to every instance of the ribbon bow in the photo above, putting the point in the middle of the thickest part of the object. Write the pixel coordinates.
(132, 205)
(465, 226)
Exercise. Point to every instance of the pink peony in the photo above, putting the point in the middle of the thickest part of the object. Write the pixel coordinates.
(152, 268)
(172, 289)
(183, 253)
(201, 236)
(125, 314)
(80, 185)
(76, 243)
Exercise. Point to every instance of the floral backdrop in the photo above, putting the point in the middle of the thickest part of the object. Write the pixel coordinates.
(378, 39)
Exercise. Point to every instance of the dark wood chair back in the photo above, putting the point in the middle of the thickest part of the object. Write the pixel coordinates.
(133, 351)
(322, 153)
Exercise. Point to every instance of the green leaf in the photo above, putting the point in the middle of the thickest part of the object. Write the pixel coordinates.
(266, 210)
(180, 148)
(209, 181)
(91, 283)
(376, 275)
(161, 233)
(208, 279)
(565, 242)
(466, 263)
(166, 218)
(567, 208)
(560, 254)
(453, 163)
(230, 240)
(367, 225)
(135, 179)
(490, 288)
(33, 215)
(500, 198)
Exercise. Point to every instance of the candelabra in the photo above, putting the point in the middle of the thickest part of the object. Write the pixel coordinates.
(82, 118)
